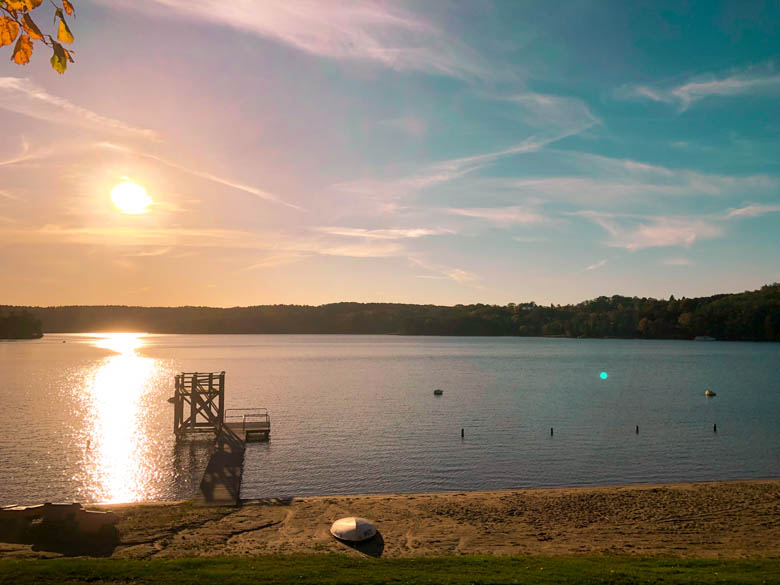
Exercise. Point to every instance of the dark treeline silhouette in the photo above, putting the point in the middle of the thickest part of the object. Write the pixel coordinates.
(19, 324)
(744, 316)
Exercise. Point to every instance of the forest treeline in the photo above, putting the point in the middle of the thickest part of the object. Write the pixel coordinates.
(19, 324)
(753, 315)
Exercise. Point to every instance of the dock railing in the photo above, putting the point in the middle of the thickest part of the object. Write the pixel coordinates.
(248, 421)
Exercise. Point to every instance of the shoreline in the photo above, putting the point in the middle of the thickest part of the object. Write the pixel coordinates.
(731, 519)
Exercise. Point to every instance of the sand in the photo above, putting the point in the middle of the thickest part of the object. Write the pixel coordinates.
(708, 520)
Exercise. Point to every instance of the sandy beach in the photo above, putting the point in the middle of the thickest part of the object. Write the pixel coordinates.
(708, 520)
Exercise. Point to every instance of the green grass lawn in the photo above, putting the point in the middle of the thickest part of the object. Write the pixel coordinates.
(342, 569)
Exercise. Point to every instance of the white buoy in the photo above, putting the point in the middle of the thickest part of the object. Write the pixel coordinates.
(352, 529)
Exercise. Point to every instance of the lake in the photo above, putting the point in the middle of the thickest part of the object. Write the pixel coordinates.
(85, 417)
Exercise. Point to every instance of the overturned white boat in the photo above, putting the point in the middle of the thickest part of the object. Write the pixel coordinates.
(352, 529)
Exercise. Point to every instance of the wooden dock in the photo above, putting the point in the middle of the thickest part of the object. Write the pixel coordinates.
(199, 406)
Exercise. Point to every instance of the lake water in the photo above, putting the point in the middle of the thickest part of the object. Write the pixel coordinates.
(89, 419)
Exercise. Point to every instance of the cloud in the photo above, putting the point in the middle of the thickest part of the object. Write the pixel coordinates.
(552, 118)
(280, 243)
(202, 175)
(633, 234)
(502, 215)
(7, 195)
(762, 81)
(753, 211)
(380, 32)
(22, 96)
(150, 253)
(562, 116)
(619, 180)
(277, 260)
(439, 272)
(411, 125)
(677, 262)
(597, 265)
(383, 234)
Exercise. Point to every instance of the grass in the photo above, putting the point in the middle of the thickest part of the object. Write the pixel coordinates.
(339, 569)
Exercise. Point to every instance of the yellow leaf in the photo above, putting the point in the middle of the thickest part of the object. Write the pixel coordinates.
(23, 5)
(68, 7)
(9, 29)
(63, 33)
(31, 28)
(67, 54)
(59, 60)
(23, 50)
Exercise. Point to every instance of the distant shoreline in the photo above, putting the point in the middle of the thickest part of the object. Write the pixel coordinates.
(748, 316)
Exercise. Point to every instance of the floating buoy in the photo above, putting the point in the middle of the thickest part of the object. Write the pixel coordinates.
(709, 393)
(353, 529)
(438, 392)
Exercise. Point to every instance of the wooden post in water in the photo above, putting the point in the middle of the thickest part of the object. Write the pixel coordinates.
(221, 408)
(637, 429)
(551, 431)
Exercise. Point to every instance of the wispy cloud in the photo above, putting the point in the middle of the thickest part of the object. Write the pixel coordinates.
(677, 262)
(597, 265)
(8, 195)
(22, 96)
(275, 260)
(411, 125)
(439, 272)
(761, 81)
(202, 175)
(621, 180)
(381, 32)
(150, 253)
(753, 210)
(384, 234)
(636, 233)
(502, 215)
(277, 244)
(551, 118)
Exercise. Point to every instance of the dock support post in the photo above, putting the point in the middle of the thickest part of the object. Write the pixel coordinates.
(221, 410)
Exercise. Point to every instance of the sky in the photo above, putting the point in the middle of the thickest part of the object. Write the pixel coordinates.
(437, 152)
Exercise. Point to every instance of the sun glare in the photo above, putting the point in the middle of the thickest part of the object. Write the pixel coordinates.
(130, 198)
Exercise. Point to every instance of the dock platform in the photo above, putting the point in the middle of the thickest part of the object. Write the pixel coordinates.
(248, 424)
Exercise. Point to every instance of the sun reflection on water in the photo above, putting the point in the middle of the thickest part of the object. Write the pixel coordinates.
(116, 447)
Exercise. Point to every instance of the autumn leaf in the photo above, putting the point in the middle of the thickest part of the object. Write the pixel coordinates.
(23, 50)
(9, 29)
(59, 60)
(68, 7)
(63, 33)
(31, 28)
(23, 5)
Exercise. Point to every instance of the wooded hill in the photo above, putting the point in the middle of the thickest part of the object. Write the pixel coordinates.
(19, 325)
(753, 315)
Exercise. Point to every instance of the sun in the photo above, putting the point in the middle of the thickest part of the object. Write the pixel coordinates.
(130, 198)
